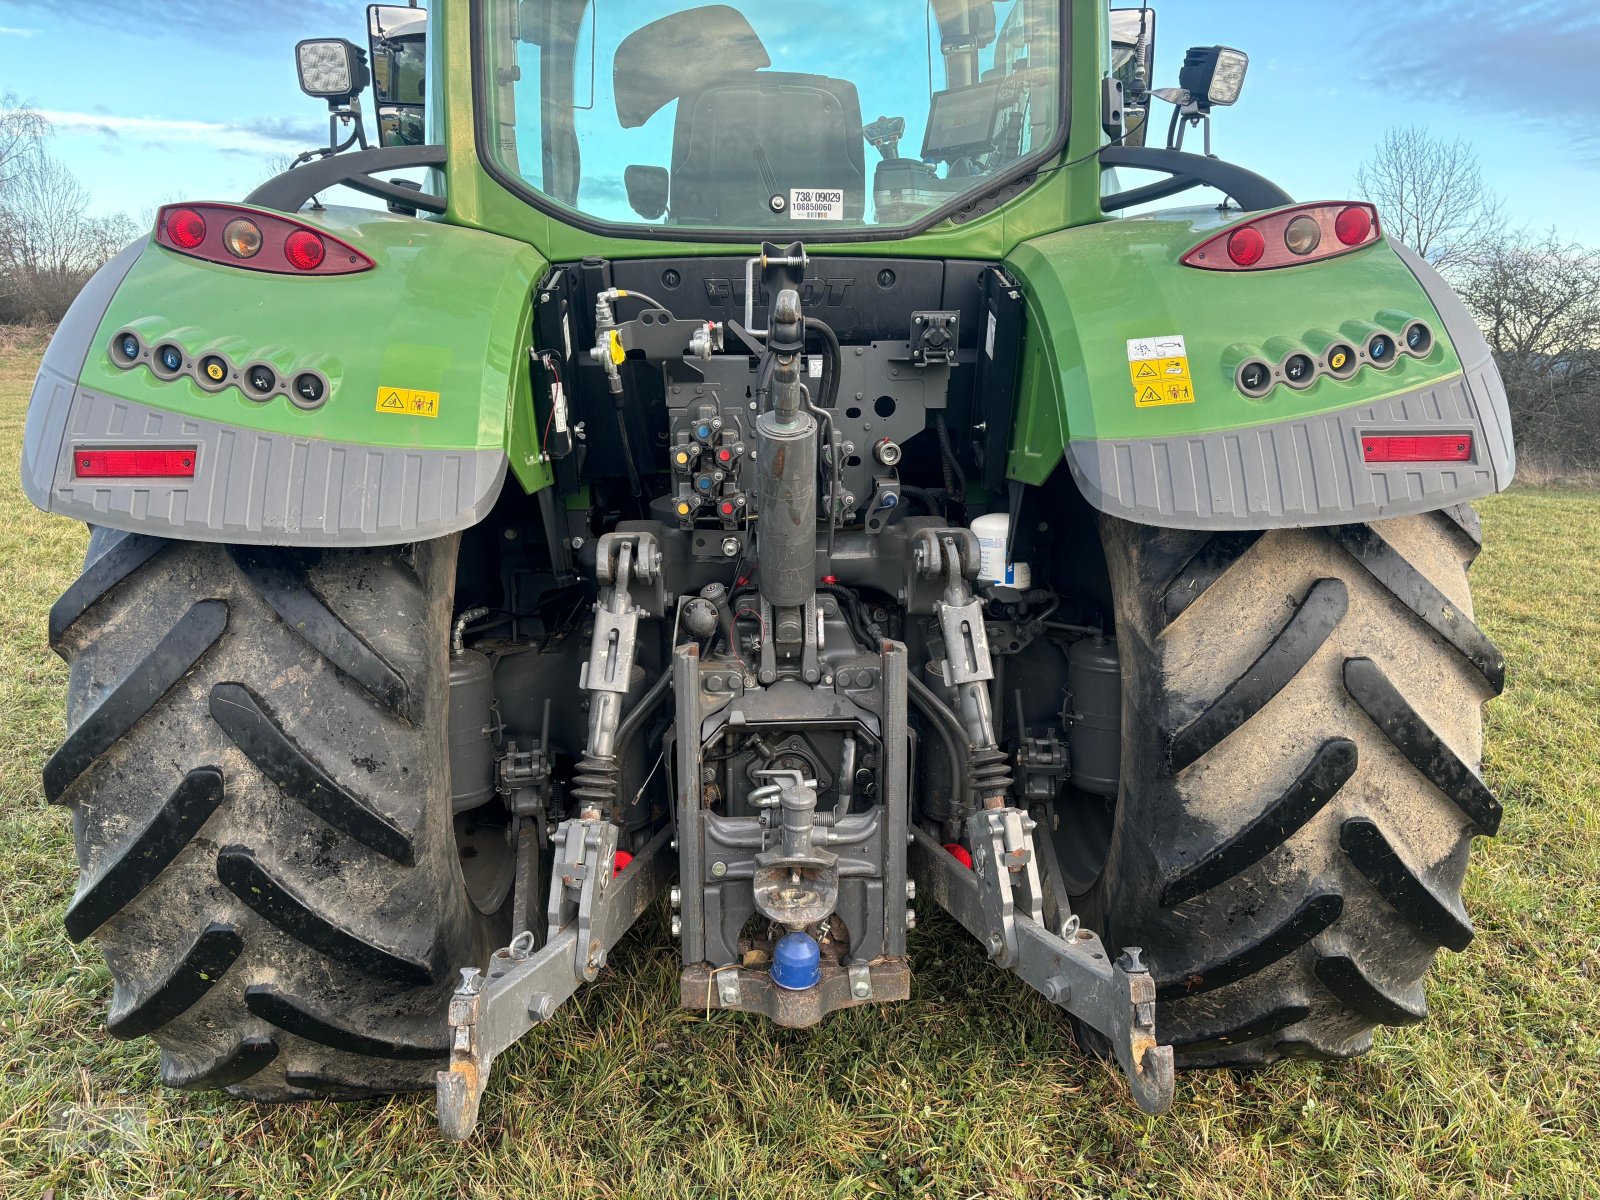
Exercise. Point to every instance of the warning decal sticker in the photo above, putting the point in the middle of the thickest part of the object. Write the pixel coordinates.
(408, 402)
(1159, 369)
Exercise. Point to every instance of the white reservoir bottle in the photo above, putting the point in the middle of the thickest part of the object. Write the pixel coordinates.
(993, 531)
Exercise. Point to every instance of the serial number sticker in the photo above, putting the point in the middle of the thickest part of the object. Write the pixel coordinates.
(816, 204)
(408, 402)
(1159, 370)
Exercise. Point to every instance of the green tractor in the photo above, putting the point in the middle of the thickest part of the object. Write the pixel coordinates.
(773, 457)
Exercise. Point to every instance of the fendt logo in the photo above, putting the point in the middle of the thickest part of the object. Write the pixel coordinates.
(814, 293)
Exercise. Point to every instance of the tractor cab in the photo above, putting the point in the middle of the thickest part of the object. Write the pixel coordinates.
(748, 116)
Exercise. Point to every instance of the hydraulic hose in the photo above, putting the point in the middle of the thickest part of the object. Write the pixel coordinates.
(955, 482)
(830, 340)
(951, 733)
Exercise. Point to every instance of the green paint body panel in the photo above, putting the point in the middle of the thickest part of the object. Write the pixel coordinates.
(1090, 290)
(444, 310)
(448, 306)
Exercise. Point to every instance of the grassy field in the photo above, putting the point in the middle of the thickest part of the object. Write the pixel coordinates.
(972, 1089)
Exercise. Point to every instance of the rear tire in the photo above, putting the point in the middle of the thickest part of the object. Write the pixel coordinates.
(1302, 733)
(255, 763)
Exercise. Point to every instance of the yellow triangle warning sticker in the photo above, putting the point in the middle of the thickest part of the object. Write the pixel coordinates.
(1149, 396)
(391, 401)
(1145, 371)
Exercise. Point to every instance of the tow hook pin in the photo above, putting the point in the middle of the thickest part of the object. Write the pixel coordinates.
(1130, 961)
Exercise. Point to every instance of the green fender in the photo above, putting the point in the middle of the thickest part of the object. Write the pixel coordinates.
(1222, 459)
(427, 403)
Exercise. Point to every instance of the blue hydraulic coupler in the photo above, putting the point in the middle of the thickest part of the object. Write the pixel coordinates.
(797, 962)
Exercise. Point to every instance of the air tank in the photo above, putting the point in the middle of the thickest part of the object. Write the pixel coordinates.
(472, 727)
(1094, 680)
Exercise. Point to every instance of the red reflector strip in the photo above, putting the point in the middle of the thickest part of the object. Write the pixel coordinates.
(133, 464)
(1449, 448)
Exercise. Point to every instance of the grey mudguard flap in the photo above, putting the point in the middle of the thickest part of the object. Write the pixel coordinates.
(1304, 472)
(1312, 471)
(249, 487)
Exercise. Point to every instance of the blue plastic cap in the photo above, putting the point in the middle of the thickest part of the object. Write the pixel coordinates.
(797, 962)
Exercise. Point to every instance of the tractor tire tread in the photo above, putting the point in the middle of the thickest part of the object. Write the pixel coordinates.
(260, 804)
(1304, 724)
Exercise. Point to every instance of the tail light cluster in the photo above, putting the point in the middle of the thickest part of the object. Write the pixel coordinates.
(255, 240)
(1308, 233)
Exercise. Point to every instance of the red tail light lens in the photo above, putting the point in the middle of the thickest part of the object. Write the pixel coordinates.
(1246, 246)
(1306, 234)
(185, 227)
(1452, 447)
(304, 250)
(220, 233)
(134, 464)
(1353, 226)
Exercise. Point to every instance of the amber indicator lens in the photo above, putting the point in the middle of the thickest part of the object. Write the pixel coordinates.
(1303, 235)
(242, 237)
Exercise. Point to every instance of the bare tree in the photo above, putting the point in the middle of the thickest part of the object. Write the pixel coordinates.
(49, 243)
(22, 134)
(1431, 195)
(1538, 302)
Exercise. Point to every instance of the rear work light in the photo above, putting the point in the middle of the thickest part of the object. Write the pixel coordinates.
(1305, 234)
(1450, 447)
(255, 240)
(143, 463)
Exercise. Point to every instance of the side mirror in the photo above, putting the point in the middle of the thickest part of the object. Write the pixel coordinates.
(397, 37)
(1213, 75)
(1133, 52)
(647, 190)
(331, 69)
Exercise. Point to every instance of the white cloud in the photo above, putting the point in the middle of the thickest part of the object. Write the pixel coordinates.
(212, 134)
(13, 31)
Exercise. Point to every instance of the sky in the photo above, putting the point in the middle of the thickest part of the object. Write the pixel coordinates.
(195, 99)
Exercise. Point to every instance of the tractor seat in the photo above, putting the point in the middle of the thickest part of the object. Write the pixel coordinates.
(739, 142)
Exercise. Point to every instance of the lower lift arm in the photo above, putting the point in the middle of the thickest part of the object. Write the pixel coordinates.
(1000, 901)
(591, 904)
